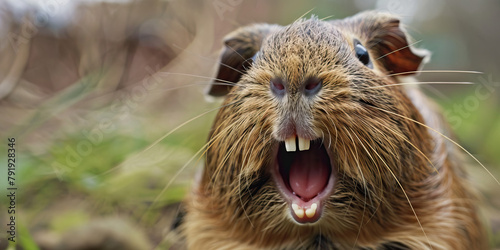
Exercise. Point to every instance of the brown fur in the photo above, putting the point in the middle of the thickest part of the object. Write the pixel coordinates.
(399, 184)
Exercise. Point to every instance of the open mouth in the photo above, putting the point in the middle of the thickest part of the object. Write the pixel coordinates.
(305, 177)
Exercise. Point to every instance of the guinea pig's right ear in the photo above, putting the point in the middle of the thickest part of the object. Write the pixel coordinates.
(388, 40)
(240, 46)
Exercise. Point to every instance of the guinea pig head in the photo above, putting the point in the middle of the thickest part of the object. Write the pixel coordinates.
(314, 132)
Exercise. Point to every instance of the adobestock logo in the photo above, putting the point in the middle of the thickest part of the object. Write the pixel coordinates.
(470, 104)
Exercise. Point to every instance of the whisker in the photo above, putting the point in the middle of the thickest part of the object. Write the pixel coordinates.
(420, 83)
(125, 88)
(374, 213)
(166, 135)
(198, 76)
(323, 137)
(324, 18)
(444, 136)
(402, 189)
(364, 187)
(438, 93)
(303, 15)
(407, 46)
(128, 87)
(231, 48)
(219, 135)
(174, 177)
(213, 139)
(220, 167)
(348, 206)
(241, 171)
(436, 71)
(329, 136)
(406, 140)
(378, 169)
(186, 122)
(371, 157)
(205, 148)
(207, 58)
(334, 126)
(356, 157)
(193, 85)
(352, 120)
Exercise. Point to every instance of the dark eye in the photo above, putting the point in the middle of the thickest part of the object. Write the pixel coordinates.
(362, 54)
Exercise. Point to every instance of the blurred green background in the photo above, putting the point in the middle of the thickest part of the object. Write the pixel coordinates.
(106, 102)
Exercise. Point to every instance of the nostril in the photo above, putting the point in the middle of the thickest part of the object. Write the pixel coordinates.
(312, 87)
(277, 87)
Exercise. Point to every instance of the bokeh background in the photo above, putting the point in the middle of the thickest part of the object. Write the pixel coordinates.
(106, 102)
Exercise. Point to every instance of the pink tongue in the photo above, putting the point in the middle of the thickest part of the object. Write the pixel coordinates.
(308, 173)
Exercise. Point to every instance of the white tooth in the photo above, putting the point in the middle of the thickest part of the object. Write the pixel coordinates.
(310, 212)
(290, 144)
(304, 144)
(299, 213)
(314, 206)
(298, 210)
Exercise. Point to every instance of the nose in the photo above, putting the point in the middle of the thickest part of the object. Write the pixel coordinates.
(310, 87)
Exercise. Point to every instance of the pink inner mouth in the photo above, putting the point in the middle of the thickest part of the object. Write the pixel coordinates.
(304, 178)
(308, 173)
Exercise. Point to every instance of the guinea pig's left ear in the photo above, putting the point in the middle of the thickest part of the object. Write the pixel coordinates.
(388, 41)
(240, 46)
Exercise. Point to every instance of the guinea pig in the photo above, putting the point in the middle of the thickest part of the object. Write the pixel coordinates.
(320, 144)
